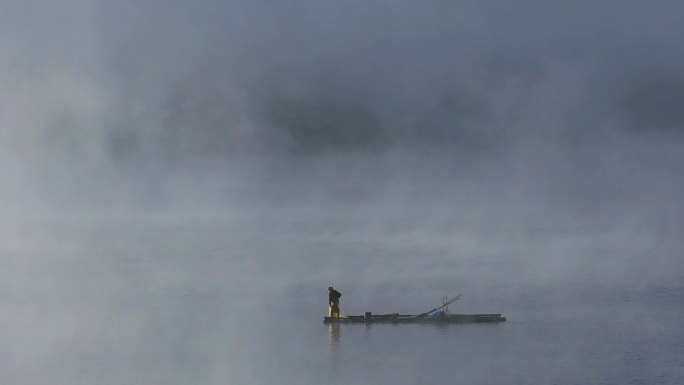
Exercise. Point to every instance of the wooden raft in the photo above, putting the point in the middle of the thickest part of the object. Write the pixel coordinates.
(370, 318)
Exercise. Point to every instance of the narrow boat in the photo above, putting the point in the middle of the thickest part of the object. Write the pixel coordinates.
(437, 315)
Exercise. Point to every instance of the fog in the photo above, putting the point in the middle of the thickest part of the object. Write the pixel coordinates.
(183, 181)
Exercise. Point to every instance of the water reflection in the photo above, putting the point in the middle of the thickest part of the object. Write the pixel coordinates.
(334, 329)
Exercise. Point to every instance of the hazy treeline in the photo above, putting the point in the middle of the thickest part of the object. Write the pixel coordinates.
(92, 88)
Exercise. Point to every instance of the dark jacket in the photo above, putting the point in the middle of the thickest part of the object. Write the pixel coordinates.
(334, 296)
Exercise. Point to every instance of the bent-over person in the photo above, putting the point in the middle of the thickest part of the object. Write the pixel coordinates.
(334, 302)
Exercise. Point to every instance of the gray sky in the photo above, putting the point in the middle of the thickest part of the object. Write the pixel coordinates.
(129, 90)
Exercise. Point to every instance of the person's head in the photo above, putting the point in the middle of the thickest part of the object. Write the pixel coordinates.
(330, 288)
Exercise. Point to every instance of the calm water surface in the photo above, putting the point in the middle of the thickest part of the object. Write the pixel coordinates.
(241, 302)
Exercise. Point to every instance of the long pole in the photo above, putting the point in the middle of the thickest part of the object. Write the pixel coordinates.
(444, 304)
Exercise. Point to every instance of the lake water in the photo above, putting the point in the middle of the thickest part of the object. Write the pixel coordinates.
(240, 299)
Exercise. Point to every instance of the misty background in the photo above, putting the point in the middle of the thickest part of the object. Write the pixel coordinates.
(170, 167)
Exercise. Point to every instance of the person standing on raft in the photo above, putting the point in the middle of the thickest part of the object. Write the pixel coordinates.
(334, 302)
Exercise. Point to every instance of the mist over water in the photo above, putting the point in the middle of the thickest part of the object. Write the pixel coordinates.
(181, 182)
